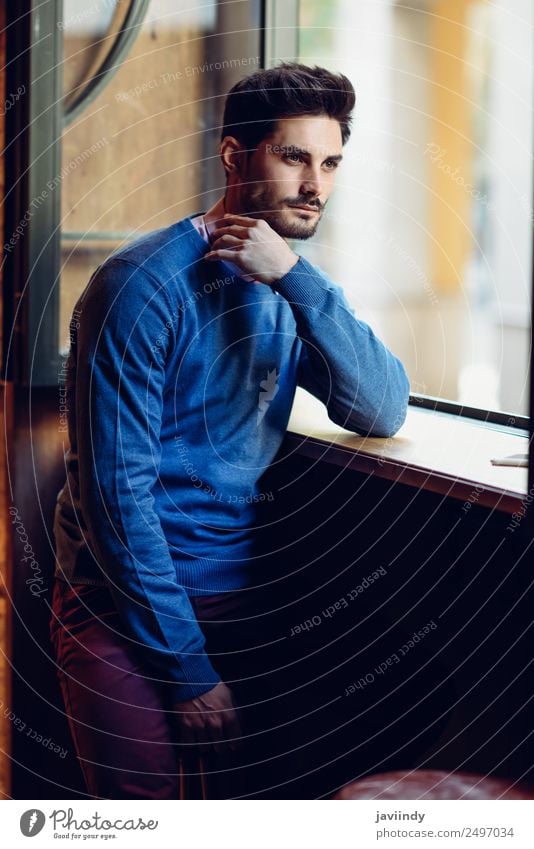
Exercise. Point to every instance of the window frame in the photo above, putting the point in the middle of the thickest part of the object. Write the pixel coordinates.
(33, 159)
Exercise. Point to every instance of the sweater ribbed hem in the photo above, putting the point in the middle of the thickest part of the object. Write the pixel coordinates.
(210, 576)
(199, 577)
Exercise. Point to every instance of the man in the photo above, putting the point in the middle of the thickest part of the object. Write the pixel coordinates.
(186, 352)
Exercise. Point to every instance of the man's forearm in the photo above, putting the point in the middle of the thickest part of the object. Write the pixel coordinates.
(364, 386)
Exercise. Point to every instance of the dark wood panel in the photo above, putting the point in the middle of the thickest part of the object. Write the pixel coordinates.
(39, 474)
(5, 430)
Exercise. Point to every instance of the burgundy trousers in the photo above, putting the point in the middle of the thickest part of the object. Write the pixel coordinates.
(303, 734)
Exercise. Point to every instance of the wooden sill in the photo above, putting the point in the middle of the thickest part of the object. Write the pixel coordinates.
(439, 452)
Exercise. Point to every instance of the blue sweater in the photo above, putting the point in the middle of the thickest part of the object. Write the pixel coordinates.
(180, 381)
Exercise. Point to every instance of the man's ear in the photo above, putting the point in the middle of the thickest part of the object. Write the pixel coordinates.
(233, 156)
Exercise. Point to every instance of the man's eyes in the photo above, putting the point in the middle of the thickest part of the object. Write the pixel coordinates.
(298, 157)
(294, 157)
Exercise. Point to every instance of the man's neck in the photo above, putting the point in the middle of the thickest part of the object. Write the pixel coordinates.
(213, 216)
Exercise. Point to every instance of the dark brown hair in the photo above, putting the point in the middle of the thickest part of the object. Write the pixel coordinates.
(255, 103)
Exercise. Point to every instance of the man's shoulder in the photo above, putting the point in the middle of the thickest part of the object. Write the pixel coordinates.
(160, 264)
(162, 253)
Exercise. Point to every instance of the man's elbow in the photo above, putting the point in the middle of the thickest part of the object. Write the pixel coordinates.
(387, 425)
(381, 424)
(383, 419)
(394, 408)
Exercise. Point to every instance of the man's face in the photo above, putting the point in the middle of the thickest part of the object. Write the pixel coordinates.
(288, 179)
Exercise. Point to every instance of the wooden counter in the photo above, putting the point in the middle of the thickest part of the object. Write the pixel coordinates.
(440, 452)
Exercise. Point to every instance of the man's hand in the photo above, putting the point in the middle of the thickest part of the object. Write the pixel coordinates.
(210, 720)
(253, 246)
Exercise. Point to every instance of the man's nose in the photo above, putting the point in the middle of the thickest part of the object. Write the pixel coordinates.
(311, 183)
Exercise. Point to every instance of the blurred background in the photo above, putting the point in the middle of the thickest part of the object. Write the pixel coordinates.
(430, 227)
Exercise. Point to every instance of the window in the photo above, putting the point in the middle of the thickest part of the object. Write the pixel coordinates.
(118, 136)
(144, 152)
(430, 227)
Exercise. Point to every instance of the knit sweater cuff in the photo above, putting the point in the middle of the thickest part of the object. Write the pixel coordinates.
(199, 675)
(302, 285)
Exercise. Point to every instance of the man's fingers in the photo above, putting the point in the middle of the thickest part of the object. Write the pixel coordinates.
(223, 253)
(231, 229)
(203, 738)
(226, 239)
(187, 735)
(245, 220)
(229, 740)
(212, 721)
(217, 735)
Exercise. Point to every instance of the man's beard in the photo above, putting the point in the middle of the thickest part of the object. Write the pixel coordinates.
(260, 204)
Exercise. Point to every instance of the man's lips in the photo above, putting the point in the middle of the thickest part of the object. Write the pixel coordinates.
(306, 208)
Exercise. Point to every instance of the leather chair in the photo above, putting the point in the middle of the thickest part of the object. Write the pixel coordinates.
(434, 784)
